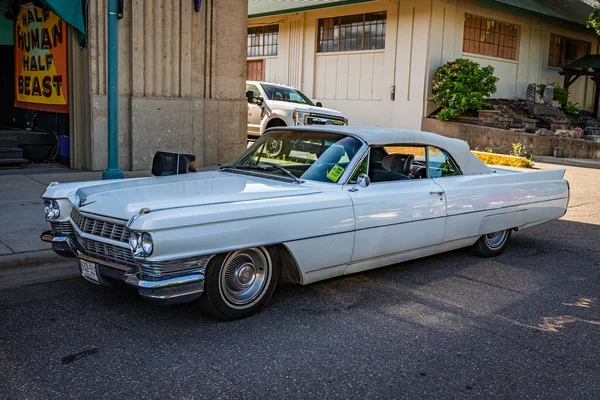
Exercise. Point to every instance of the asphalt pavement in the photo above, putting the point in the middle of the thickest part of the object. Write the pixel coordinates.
(522, 325)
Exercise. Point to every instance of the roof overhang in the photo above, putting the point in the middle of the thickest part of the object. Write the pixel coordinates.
(573, 13)
(268, 8)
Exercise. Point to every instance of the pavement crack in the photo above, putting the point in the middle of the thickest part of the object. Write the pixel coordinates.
(35, 180)
(74, 357)
(7, 246)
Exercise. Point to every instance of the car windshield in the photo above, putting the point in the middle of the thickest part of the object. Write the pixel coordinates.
(316, 156)
(283, 93)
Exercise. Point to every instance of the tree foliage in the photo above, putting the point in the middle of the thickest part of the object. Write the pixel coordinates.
(594, 18)
(462, 85)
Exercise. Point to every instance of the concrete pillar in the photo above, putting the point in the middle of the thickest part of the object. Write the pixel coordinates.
(181, 81)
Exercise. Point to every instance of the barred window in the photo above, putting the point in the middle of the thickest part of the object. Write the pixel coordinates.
(353, 32)
(263, 40)
(564, 51)
(490, 38)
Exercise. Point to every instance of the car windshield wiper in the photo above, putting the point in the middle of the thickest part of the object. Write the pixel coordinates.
(285, 171)
(259, 168)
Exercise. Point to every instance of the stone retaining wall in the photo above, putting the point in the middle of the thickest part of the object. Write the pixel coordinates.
(501, 140)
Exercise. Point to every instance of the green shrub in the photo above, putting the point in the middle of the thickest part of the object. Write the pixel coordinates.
(572, 108)
(462, 85)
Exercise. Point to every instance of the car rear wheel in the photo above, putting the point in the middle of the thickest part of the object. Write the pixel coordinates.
(240, 283)
(492, 244)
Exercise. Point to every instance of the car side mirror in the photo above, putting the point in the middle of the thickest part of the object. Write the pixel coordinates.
(363, 180)
(319, 104)
(250, 96)
(259, 101)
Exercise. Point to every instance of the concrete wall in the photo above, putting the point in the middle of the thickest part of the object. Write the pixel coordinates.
(501, 140)
(181, 81)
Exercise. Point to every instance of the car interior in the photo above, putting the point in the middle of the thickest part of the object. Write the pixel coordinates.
(384, 167)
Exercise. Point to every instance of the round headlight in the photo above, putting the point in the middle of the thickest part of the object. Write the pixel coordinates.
(147, 245)
(51, 209)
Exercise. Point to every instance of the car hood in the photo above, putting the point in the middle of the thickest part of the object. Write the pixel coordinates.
(286, 105)
(123, 199)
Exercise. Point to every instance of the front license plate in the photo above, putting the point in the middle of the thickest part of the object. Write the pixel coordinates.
(89, 270)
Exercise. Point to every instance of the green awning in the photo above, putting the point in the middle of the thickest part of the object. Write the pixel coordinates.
(266, 8)
(72, 11)
(569, 12)
(586, 62)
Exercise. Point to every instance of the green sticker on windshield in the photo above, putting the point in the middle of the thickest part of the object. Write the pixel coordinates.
(335, 173)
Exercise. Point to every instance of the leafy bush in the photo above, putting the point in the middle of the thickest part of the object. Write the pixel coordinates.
(462, 85)
(572, 108)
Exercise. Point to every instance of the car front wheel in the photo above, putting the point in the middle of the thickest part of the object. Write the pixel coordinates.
(492, 244)
(240, 283)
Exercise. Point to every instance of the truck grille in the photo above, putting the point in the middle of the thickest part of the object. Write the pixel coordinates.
(100, 228)
(323, 120)
(106, 252)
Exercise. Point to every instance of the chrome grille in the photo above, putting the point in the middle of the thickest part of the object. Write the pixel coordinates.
(98, 227)
(61, 228)
(162, 269)
(107, 252)
(322, 120)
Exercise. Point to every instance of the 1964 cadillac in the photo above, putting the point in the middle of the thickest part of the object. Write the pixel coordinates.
(335, 201)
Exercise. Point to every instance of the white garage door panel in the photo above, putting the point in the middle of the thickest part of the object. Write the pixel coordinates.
(349, 76)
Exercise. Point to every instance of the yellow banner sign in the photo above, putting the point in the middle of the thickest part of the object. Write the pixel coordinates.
(41, 61)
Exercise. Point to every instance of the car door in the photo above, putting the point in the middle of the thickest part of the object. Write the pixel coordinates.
(254, 112)
(396, 212)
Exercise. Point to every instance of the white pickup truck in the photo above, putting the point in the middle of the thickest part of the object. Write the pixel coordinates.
(271, 105)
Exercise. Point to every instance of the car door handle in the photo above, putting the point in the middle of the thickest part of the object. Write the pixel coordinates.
(437, 193)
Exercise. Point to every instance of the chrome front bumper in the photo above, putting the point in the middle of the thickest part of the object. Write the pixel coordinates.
(185, 287)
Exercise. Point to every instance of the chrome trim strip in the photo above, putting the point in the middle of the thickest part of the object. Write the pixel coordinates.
(108, 218)
(133, 279)
(228, 249)
(390, 254)
(317, 191)
(171, 296)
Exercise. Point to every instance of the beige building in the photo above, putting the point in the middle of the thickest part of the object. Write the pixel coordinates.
(374, 60)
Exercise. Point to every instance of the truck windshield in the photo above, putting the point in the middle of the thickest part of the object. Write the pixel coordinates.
(317, 156)
(282, 93)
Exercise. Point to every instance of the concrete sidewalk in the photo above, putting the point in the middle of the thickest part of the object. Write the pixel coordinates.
(22, 210)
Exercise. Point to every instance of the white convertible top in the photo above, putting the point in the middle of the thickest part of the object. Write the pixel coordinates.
(458, 149)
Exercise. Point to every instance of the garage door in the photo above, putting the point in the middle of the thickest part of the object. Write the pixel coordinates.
(256, 70)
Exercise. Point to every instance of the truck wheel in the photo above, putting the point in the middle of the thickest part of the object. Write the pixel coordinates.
(492, 244)
(240, 283)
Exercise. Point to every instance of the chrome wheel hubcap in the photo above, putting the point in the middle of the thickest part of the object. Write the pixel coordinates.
(496, 239)
(244, 276)
(275, 147)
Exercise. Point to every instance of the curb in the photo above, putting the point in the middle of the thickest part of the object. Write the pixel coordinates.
(39, 257)
(585, 163)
